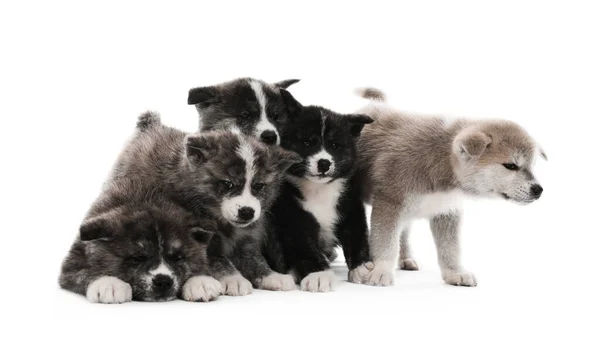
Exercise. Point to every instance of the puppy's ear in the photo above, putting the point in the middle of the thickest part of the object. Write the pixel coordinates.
(357, 122)
(203, 95)
(284, 84)
(294, 107)
(472, 144)
(96, 228)
(199, 148)
(285, 159)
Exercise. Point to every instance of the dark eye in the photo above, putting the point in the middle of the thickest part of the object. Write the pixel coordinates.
(274, 115)
(258, 186)
(227, 184)
(306, 142)
(176, 257)
(335, 145)
(511, 166)
(245, 114)
(137, 259)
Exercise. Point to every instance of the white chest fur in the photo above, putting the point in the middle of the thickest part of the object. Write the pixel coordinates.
(321, 199)
(429, 205)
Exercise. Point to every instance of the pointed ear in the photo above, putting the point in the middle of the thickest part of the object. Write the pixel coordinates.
(542, 153)
(203, 95)
(357, 122)
(199, 148)
(294, 107)
(285, 159)
(472, 144)
(96, 228)
(284, 84)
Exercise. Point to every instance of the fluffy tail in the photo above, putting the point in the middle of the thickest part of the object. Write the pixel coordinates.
(371, 94)
(148, 120)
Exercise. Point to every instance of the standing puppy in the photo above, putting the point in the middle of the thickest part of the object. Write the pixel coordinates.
(253, 106)
(419, 167)
(319, 206)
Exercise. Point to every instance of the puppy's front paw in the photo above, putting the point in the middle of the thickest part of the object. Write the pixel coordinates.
(360, 273)
(201, 288)
(408, 264)
(108, 290)
(278, 281)
(459, 278)
(381, 275)
(322, 281)
(236, 285)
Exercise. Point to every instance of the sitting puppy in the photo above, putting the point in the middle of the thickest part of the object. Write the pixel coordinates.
(223, 175)
(253, 106)
(319, 206)
(418, 167)
(137, 245)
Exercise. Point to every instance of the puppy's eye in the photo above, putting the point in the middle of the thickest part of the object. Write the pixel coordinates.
(275, 115)
(137, 259)
(306, 142)
(176, 257)
(227, 184)
(258, 186)
(335, 145)
(511, 166)
(245, 114)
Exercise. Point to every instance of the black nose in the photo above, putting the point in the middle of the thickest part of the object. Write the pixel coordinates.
(269, 137)
(536, 190)
(246, 213)
(323, 165)
(162, 283)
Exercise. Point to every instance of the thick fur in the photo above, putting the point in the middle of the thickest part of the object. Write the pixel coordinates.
(421, 167)
(319, 206)
(251, 105)
(224, 175)
(137, 244)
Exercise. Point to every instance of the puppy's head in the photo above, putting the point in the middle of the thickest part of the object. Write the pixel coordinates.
(253, 106)
(496, 158)
(238, 176)
(324, 139)
(153, 250)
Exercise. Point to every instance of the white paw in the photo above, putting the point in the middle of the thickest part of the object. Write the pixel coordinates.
(108, 290)
(235, 285)
(381, 275)
(408, 264)
(359, 273)
(278, 281)
(201, 288)
(459, 278)
(322, 281)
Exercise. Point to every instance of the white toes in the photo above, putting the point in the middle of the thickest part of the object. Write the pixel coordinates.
(201, 288)
(408, 264)
(109, 290)
(459, 278)
(360, 273)
(278, 281)
(235, 285)
(322, 281)
(381, 275)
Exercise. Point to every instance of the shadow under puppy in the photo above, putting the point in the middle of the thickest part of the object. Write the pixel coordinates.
(136, 244)
(223, 175)
(422, 167)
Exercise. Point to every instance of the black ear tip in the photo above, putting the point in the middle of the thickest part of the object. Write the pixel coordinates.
(92, 230)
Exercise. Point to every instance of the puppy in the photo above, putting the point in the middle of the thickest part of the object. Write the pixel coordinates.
(223, 175)
(253, 106)
(319, 206)
(135, 244)
(422, 167)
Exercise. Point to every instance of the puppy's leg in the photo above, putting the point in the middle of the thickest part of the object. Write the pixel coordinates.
(221, 268)
(253, 266)
(446, 229)
(384, 241)
(406, 261)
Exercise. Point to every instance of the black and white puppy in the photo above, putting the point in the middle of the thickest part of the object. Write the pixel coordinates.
(320, 204)
(256, 108)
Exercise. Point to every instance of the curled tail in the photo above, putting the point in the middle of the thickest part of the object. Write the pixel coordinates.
(371, 94)
(148, 120)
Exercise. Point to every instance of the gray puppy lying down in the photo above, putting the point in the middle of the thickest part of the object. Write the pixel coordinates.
(422, 167)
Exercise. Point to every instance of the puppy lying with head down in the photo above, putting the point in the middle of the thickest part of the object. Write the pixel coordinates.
(422, 167)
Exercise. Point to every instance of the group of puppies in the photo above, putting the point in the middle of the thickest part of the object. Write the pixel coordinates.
(268, 188)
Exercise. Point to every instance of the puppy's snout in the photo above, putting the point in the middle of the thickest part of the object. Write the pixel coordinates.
(246, 213)
(536, 191)
(269, 137)
(162, 283)
(323, 165)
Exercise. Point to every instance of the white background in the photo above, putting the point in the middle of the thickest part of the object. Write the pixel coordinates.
(74, 77)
